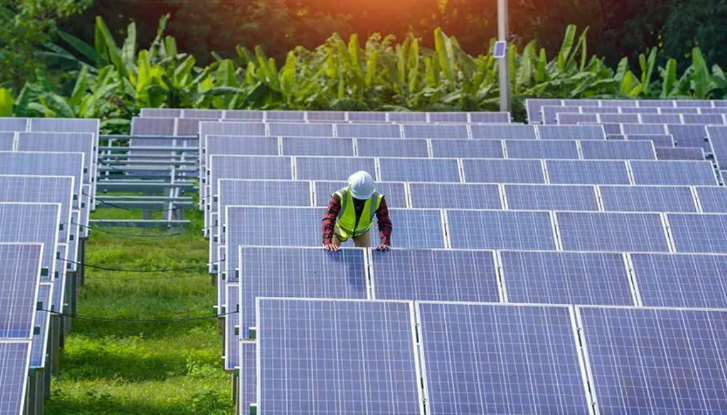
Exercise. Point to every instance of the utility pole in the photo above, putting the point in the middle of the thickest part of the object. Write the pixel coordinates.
(503, 34)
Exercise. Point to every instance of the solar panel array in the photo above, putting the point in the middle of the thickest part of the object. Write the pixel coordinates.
(518, 249)
(48, 173)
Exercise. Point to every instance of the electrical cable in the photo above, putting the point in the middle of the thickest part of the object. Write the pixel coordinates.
(128, 235)
(140, 271)
(103, 202)
(127, 320)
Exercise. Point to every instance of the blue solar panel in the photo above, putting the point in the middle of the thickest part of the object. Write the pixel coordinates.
(393, 192)
(32, 223)
(656, 361)
(539, 149)
(703, 119)
(551, 197)
(661, 119)
(680, 153)
(202, 114)
(230, 145)
(62, 143)
(414, 228)
(248, 167)
(455, 196)
(713, 199)
(19, 278)
(587, 172)
(534, 108)
(699, 233)
(691, 281)
(600, 110)
(492, 229)
(678, 111)
(329, 168)
(694, 103)
(300, 130)
(467, 148)
(255, 129)
(188, 127)
(618, 150)
(406, 117)
(655, 103)
(422, 170)
(368, 130)
(718, 140)
(659, 140)
(641, 110)
(503, 132)
(161, 113)
(690, 136)
(582, 102)
(436, 131)
(322, 116)
(248, 376)
(369, 365)
(232, 325)
(435, 275)
(14, 365)
(312, 146)
(618, 118)
(647, 199)
(566, 278)
(501, 359)
(686, 173)
(39, 345)
(484, 117)
(46, 164)
(571, 132)
(612, 232)
(575, 119)
(14, 124)
(503, 171)
(455, 117)
(274, 116)
(641, 129)
(391, 147)
(721, 110)
(298, 273)
(7, 140)
(366, 116)
(550, 113)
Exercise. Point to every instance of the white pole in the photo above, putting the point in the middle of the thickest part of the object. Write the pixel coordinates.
(503, 34)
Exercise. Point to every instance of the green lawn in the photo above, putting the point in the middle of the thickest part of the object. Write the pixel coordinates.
(149, 368)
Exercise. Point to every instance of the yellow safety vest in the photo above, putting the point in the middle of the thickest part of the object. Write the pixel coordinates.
(346, 225)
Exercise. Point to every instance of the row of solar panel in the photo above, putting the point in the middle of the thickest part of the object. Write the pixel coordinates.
(548, 111)
(329, 116)
(571, 116)
(534, 106)
(345, 356)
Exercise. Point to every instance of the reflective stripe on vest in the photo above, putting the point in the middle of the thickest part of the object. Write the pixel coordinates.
(346, 219)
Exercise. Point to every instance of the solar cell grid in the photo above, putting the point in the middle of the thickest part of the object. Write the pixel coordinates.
(391, 147)
(394, 192)
(683, 153)
(656, 103)
(621, 103)
(246, 115)
(32, 223)
(503, 171)
(325, 116)
(62, 143)
(278, 116)
(485, 117)
(687, 173)
(300, 130)
(452, 117)
(713, 110)
(550, 113)
(551, 197)
(298, 273)
(503, 132)
(14, 365)
(423, 170)
(45, 164)
(566, 278)
(678, 111)
(455, 196)
(188, 127)
(19, 278)
(575, 119)
(618, 150)
(712, 199)
(161, 113)
(202, 114)
(582, 102)
(694, 233)
(407, 117)
(600, 110)
(540, 149)
(14, 124)
(656, 361)
(368, 130)
(308, 146)
(467, 148)
(504, 230)
(618, 118)
(373, 117)
(300, 348)
(489, 358)
(7, 141)
(260, 193)
(571, 132)
(64, 125)
(693, 103)
(330, 168)
(435, 275)
(691, 281)
(612, 232)
(647, 199)
(240, 146)
(455, 131)
(415, 229)
(640, 110)
(587, 172)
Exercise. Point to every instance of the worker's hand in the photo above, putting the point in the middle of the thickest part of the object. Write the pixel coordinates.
(331, 247)
(383, 247)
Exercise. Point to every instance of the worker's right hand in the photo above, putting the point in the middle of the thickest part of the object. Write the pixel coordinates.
(331, 247)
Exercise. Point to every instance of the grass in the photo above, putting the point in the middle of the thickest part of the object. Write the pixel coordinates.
(119, 368)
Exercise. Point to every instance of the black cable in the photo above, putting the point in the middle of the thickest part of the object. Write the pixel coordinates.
(103, 202)
(140, 271)
(170, 277)
(128, 235)
(127, 320)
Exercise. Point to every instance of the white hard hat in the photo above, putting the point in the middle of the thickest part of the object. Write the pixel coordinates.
(361, 185)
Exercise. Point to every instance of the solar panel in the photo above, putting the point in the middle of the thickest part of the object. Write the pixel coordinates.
(638, 110)
(566, 278)
(551, 197)
(612, 232)
(246, 115)
(325, 116)
(656, 361)
(703, 119)
(393, 192)
(659, 140)
(368, 130)
(587, 172)
(369, 366)
(248, 167)
(414, 229)
(39, 343)
(405, 117)
(571, 132)
(718, 141)
(392, 147)
(498, 359)
(582, 102)
(230, 145)
(609, 129)
(260, 193)
(687, 173)
(640, 129)
(203, 114)
(699, 233)
(366, 116)
(503, 171)
(694, 103)
(45, 164)
(467, 148)
(618, 118)
(678, 111)
(423, 170)
(248, 376)
(720, 104)
(32, 223)
(19, 278)
(575, 119)
(160, 113)
(713, 110)
(436, 275)
(307, 146)
(493, 229)
(329, 168)
(628, 103)
(550, 113)
(484, 117)
(503, 132)
(14, 366)
(298, 273)
(690, 136)
(690, 281)
(273, 116)
(153, 126)
(62, 143)
(456, 117)
(300, 130)
(539, 149)
(436, 131)
(7, 141)
(615, 137)
(600, 110)
(455, 196)
(647, 199)
(188, 127)
(232, 325)
(254, 129)
(618, 150)
(713, 199)
(14, 124)
(680, 153)
(534, 107)
(655, 103)
(661, 119)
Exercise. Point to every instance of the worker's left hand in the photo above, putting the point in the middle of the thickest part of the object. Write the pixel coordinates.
(383, 247)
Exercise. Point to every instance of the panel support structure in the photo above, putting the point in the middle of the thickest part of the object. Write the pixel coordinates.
(503, 31)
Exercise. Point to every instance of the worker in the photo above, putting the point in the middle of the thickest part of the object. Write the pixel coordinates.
(351, 212)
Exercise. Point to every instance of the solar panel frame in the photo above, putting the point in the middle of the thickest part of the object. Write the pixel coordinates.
(507, 229)
(677, 199)
(593, 172)
(571, 132)
(612, 232)
(421, 169)
(455, 196)
(698, 233)
(674, 172)
(14, 367)
(617, 150)
(503, 132)
(63, 143)
(392, 147)
(467, 148)
(551, 197)
(542, 149)
(503, 171)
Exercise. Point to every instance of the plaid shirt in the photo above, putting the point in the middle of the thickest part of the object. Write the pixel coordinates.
(328, 223)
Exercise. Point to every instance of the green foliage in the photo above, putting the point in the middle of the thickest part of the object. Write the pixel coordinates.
(113, 82)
